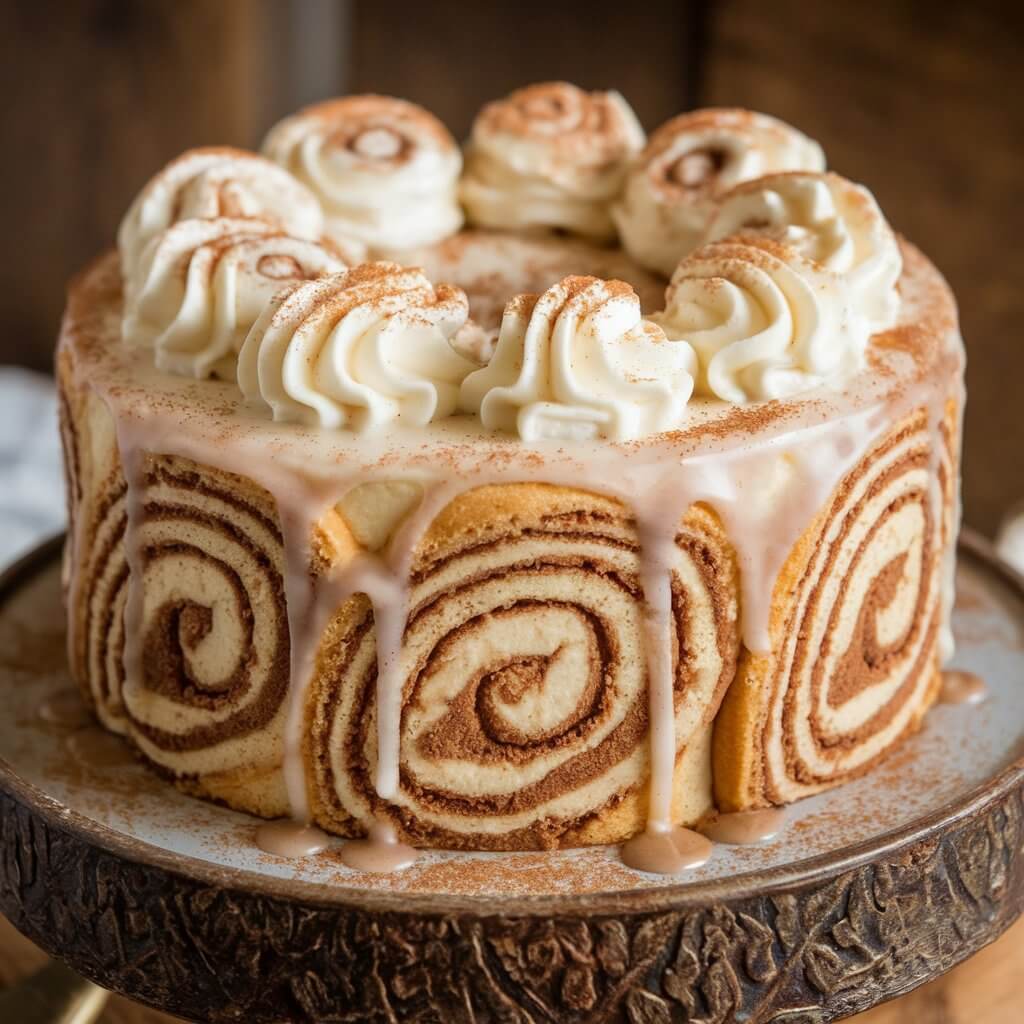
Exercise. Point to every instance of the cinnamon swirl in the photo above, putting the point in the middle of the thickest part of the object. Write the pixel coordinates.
(856, 660)
(524, 715)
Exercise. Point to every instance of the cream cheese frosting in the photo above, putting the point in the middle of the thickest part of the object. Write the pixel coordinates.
(362, 349)
(765, 321)
(828, 219)
(217, 182)
(550, 156)
(201, 284)
(384, 169)
(690, 161)
(579, 362)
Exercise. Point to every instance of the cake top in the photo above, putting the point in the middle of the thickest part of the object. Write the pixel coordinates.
(333, 280)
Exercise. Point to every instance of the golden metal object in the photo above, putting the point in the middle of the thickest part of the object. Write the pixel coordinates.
(53, 995)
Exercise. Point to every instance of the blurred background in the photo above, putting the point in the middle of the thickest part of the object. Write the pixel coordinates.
(921, 100)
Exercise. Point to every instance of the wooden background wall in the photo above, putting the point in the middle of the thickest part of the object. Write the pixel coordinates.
(922, 100)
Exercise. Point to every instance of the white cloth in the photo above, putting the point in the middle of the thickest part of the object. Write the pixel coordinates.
(32, 503)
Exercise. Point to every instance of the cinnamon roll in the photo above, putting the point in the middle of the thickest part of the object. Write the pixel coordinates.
(524, 714)
(690, 161)
(550, 156)
(188, 657)
(207, 662)
(854, 660)
(96, 573)
(384, 169)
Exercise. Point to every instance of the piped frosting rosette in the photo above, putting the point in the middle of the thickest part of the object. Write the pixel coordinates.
(201, 284)
(550, 156)
(765, 321)
(580, 362)
(359, 350)
(826, 218)
(384, 169)
(524, 694)
(216, 182)
(690, 161)
(854, 662)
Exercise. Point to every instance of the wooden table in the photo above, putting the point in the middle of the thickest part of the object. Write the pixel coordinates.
(985, 990)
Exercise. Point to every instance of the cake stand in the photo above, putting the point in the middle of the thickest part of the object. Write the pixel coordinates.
(868, 892)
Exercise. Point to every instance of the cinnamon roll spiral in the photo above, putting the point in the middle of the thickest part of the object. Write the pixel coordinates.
(95, 573)
(524, 717)
(101, 591)
(854, 662)
(201, 691)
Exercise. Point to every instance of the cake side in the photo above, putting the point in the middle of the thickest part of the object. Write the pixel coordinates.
(204, 526)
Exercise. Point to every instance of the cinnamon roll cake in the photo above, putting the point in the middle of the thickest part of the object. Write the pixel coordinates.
(536, 495)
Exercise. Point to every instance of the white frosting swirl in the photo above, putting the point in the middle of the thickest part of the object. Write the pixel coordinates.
(216, 182)
(688, 163)
(359, 350)
(579, 362)
(550, 156)
(201, 285)
(765, 321)
(385, 170)
(829, 220)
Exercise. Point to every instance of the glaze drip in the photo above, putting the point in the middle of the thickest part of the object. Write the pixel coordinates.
(959, 687)
(744, 828)
(291, 839)
(380, 852)
(666, 850)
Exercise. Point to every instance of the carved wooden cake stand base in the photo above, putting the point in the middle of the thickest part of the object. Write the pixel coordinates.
(870, 890)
